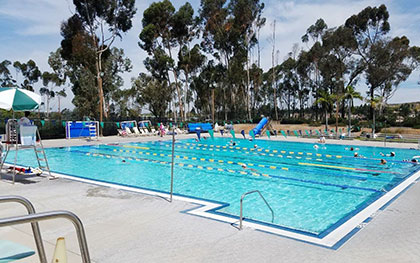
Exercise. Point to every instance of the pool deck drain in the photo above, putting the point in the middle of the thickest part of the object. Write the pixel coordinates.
(123, 226)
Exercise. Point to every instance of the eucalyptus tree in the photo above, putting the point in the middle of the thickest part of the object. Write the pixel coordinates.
(60, 94)
(165, 30)
(49, 81)
(153, 93)
(226, 36)
(189, 62)
(369, 27)
(93, 29)
(391, 64)
(315, 54)
(30, 74)
(6, 78)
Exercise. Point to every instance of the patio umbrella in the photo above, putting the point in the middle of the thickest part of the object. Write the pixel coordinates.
(18, 99)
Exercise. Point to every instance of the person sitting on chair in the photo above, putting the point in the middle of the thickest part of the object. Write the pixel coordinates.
(25, 121)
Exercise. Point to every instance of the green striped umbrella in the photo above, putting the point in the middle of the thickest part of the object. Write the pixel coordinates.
(18, 99)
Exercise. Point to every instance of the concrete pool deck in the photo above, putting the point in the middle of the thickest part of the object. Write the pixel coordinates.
(123, 226)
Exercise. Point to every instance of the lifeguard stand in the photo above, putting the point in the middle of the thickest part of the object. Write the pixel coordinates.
(27, 136)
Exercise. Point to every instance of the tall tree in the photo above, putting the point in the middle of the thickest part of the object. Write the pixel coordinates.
(163, 29)
(6, 78)
(95, 26)
(30, 74)
(369, 27)
(153, 93)
(350, 94)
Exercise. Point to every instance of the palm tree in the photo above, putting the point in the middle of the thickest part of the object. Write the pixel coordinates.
(350, 94)
(375, 103)
(325, 99)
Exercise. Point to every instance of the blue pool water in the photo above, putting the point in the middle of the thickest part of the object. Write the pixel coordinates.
(310, 190)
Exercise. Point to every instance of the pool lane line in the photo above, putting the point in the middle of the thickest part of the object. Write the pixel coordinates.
(264, 151)
(136, 147)
(228, 162)
(247, 163)
(212, 160)
(273, 167)
(184, 165)
(280, 156)
(346, 168)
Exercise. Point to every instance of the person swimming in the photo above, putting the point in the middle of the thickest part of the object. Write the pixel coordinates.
(356, 154)
(316, 147)
(391, 154)
(383, 162)
(252, 169)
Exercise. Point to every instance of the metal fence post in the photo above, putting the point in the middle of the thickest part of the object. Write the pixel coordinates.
(172, 163)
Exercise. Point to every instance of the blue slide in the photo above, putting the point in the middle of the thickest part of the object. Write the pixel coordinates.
(260, 126)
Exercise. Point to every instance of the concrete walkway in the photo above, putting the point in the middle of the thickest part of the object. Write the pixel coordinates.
(122, 226)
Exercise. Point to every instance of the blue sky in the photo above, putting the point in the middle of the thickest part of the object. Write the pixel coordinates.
(30, 29)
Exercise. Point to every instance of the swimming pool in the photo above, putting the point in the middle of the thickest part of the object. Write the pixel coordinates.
(313, 192)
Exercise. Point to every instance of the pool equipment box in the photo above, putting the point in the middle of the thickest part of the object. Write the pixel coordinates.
(82, 129)
(203, 127)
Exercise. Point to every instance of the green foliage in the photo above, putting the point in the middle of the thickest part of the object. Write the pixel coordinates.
(152, 93)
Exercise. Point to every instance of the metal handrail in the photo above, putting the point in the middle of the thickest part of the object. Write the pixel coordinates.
(265, 201)
(31, 218)
(35, 227)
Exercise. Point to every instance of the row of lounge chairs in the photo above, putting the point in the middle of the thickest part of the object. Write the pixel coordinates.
(134, 131)
(313, 133)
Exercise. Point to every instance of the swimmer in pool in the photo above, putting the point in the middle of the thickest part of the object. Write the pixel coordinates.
(391, 154)
(316, 147)
(383, 162)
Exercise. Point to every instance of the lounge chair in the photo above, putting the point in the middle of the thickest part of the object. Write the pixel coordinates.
(129, 132)
(137, 132)
(154, 131)
(307, 133)
(296, 133)
(146, 132)
(318, 134)
(121, 133)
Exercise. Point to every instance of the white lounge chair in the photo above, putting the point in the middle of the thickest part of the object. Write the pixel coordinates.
(129, 132)
(137, 132)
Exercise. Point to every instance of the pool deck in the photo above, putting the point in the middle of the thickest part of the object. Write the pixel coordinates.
(123, 226)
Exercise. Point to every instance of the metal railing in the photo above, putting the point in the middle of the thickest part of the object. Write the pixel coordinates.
(265, 201)
(33, 218)
(35, 227)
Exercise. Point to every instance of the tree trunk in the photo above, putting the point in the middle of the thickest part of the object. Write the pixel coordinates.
(100, 90)
(336, 117)
(374, 124)
(187, 86)
(326, 119)
(59, 107)
(212, 105)
(48, 106)
(178, 91)
(349, 130)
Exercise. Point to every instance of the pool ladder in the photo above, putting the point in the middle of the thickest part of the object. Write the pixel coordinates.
(34, 218)
(265, 201)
